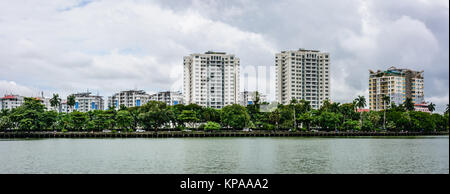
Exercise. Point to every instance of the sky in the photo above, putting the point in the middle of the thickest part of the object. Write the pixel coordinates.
(104, 46)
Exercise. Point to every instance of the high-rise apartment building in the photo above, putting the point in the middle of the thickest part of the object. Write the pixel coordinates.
(211, 79)
(170, 98)
(85, 102)
(398, 84)
(303, 74)
(129, 98)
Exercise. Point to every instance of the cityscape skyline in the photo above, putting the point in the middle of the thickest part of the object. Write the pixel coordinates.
(68, 47)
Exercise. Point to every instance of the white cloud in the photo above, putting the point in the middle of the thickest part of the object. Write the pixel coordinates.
(69, 46)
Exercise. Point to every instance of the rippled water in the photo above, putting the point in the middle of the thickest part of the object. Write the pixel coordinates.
(295, 155)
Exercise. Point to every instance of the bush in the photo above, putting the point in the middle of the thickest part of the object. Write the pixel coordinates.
(268, 126)
(180, 127)
(212, 126)
(202, 126)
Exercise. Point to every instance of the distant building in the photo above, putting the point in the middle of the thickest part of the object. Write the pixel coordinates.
(211, 79)
(363, 110)
(398, 84)
(85, 102)
(170, 98)
(247, 98)
(64, 107)
(422, 107)
(129, 98)
(303, 74)
(46, 103)
(11, 101)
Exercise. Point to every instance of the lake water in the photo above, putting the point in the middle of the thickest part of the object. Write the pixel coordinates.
(295, 155)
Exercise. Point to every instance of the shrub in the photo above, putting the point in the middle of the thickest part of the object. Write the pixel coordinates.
(212, 126)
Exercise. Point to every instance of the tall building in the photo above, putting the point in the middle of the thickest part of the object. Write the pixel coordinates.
(11, 101)
(129, 98)
(170, 98)
(85, 102)
(303, 74)
(398, 84)
(211, 79)
(247, 98)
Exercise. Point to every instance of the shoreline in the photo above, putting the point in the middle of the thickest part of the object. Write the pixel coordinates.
(200, 134)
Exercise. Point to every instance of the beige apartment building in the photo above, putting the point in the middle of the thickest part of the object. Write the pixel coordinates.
(398, 84)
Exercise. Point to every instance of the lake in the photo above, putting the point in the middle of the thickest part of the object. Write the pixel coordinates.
(279, 155)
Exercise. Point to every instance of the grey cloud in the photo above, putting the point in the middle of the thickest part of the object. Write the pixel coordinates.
(111, 45)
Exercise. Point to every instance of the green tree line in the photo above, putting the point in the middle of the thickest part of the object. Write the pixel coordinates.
(298, 115)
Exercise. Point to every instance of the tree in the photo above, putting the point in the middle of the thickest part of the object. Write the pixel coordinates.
(210, 114)
(55, 101)
(235, 116)
(124, 120)
(360, 102)
(5, 123)
(78, 120)
(274, 117)
(328, 120)
(71, 101)
(28, 115)
(409, 105)
(431, 107)
(154, 115)
(48, 119)
(386, 100)
(305, 119)
(189, 116)
(350, 125)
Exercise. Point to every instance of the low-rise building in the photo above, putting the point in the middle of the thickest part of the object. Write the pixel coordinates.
(85, 102)
(422, 107)
(11, 101)
(129, 98)
(170, 98)
(247, 98)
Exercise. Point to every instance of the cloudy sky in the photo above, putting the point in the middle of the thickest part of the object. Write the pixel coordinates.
(67, 46)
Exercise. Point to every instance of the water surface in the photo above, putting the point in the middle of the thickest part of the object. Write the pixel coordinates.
(296, 155)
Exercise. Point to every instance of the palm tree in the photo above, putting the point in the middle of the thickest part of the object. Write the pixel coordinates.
(431, 107)
(71, 101)
(360, 103)
(409, 105)
(386, 100)
(55, 101)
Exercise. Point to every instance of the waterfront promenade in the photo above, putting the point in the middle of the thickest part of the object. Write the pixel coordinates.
(179, 134)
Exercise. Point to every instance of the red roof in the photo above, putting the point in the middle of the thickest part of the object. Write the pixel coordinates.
(363, 110)
(9, 97)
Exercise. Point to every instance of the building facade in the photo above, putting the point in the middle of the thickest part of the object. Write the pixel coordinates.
(85, 102)
(303, 74)
(247, 98)
(129, 98)
(398, 84)
(11, 101)
(422, 107)
(170, 98)
(211, 79)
